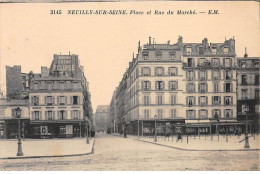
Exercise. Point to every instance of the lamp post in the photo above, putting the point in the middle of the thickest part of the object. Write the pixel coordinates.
(23, 131)
(80, 129)
(246, 135)
(87, 140)
(18, 115)
(138, 129)
(155, 133)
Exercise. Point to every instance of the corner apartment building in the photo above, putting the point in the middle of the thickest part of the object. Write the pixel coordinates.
(248, 91)
(192, 85)
(59, 100)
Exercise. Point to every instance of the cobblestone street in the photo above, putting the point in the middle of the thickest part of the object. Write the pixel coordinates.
(117, 153)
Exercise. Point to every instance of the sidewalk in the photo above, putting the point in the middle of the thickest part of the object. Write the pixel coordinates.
(203, 143)
(38, 148)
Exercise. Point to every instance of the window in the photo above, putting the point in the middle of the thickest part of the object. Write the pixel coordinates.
(160, 113)
(146, 85)
(190, 75)
(202, 87)
(146, 113)
(215, 62)
(203, 101)
(69, 129)
(62, 130)
(36, 115)
(75, 114)
(173, 99)
(75, 85)
(225, 50)
(158, 56)
(75, 100)
(36, 86)
(35, 100)
(44, 130)
(228, 75)
(228, 113)
(145, 56)
(216, 113)
(244, 79)
(257, 96)
(201, 51)
(244, 93)
(173, 85)
(190, 101)
(146, 100)
(159, 71)
(214, 50)
(172, 71)
(256, 79)
(243, 65)
(172, 55)
(216, 100)
(202, 75)
(62, 100)
(159, 99)
(190, 114)
(190, 88)
(173, 113)
(228, 100)
(145, 71)
(245, 108)
(190, 62)
(202, 61)
(203, 114)
(188, 50)
(227, 62)
(159, 85)
(49, 115)
(62, 85)
(49, 86)
(256, 64)
(228, 87)
(215, 75)
(62, 115)
(49, 100)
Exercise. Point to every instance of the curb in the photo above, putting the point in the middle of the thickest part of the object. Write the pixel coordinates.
(196, 149)
(54, 156)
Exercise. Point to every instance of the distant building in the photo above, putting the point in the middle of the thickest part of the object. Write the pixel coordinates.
(248, 91)
(101, 117)
(112, 120)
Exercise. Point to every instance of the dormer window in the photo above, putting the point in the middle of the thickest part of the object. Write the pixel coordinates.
(172, 55)
(214, 50)
(243, 65)
(36, 86)
(158, 56)
(188, 50)
(225, 50)
(49, 86)
(201, 51)
(145, 56)
(256, 64)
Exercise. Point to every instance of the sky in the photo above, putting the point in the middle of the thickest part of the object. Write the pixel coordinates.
(29, 35)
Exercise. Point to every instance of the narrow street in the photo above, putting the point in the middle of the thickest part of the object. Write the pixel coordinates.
(117, 153)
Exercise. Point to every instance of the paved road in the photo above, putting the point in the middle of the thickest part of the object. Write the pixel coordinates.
(116, 153)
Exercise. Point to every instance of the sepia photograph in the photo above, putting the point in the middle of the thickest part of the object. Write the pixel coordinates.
(129, 86)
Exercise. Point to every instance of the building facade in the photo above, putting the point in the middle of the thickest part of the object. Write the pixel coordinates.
(186, 87)
(101, 118)
(248, 91)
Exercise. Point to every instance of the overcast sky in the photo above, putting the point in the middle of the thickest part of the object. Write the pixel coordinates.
(29, 35)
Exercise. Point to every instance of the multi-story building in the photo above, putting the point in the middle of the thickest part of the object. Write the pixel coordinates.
(113, 114)
(101, 118)
(60, 101)
(192, 85)
(9, 121)
(248, 91)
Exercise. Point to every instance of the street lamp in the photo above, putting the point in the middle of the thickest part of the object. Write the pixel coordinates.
(87, 140)
(18, 115)
(138, 129)
(246, 135)
(155, 133)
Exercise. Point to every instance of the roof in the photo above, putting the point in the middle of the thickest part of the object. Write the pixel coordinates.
(4, 102)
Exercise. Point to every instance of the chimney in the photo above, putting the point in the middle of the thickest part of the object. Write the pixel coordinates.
(149, 40)
(245, 55)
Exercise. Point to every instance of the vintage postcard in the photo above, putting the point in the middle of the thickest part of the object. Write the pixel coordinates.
(129, 86)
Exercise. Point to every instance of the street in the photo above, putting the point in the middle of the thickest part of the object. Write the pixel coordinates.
(117, 153)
